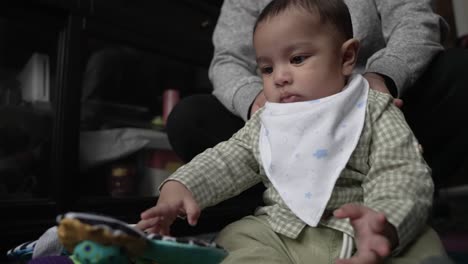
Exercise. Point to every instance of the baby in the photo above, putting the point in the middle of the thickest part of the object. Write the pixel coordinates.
(338, 160)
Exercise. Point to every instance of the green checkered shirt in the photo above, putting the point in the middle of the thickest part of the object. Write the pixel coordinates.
(386, 172)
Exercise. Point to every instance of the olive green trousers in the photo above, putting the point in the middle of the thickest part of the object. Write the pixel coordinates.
(251, 240)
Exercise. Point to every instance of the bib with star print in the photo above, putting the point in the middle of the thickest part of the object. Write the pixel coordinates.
(304, 146)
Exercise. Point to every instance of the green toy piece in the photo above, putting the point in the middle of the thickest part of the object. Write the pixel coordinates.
(89, 252)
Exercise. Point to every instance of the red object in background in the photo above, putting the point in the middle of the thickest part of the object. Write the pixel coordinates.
(170, 98)
(163, 159)
(463, 42)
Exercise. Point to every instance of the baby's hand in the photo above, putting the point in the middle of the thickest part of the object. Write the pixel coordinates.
(375, 236)
(174, 200)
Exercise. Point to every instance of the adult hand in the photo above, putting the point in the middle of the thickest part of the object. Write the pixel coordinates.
(375, 237)
(258, 103)
(174, 200)
(377, 82)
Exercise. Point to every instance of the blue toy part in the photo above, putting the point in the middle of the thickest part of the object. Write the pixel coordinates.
(90, 252)
(22, 252)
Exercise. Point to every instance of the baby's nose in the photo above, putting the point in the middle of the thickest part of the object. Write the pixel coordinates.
(283, 77)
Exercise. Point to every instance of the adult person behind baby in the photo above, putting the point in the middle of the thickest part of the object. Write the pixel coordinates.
(401, 54)
(337, 158)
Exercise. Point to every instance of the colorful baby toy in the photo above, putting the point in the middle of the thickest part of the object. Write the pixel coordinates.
(96, 239)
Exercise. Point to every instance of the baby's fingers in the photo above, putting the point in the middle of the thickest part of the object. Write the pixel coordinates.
(157, 225)
(155, 211)
(161, 210)
(351, 211)
(193, 211)
(381, 246)
(148, 223)
(159, 228)
(361, 257)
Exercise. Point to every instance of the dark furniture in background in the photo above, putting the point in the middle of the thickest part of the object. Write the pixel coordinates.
(174, 37)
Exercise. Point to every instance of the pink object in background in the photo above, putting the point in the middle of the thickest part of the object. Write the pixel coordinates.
(170, 99)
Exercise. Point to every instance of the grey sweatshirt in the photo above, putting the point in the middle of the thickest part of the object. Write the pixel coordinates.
(398, 39)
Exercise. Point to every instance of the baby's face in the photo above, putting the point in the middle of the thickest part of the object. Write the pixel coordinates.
(298, 57)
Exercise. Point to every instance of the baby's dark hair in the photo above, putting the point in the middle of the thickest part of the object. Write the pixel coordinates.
(333, 12)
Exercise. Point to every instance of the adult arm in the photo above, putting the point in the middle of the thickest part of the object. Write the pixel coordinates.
(413, 33)
(233, 67)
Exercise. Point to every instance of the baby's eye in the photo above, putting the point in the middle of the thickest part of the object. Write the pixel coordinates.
(297, 59)
(266, 70)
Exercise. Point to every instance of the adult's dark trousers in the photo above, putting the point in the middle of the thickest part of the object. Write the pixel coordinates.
(436, 109)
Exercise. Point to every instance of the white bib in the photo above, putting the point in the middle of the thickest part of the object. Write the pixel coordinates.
(304, 146)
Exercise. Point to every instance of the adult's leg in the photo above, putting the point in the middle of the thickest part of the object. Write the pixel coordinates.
(436, 110)
(199, 122)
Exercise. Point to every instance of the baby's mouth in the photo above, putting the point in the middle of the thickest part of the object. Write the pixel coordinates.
(289, 99)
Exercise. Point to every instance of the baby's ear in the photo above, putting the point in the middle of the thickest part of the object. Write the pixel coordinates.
(349, 52)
